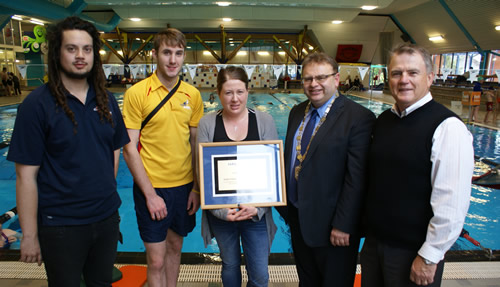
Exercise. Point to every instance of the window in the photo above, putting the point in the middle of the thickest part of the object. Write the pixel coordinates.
(494, 64)
(459, 59)
(474, 61)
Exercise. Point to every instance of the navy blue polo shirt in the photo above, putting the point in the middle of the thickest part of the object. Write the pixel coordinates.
(76, 182)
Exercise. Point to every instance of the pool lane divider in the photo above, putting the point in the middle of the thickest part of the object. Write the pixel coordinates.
(279, 100)
(8, 215)
(4, 144)
(465, 234)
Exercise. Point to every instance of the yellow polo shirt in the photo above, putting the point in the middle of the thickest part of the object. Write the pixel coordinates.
(164, 142)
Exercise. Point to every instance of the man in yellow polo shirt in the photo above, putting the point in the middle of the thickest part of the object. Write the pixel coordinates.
(161, 160)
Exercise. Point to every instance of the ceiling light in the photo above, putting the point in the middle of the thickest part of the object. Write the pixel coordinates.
(36, 22)
(223, 4)
(281, 52)
(263, 53)
(135, 19)
(436, 38)
(227, 19)
(102, 52)
(231, 44)
(337, 22)
(188, 47)
(241, 53)
(15, 17)
(368, 7)
(207, 53)
(120, 53)
(497, 28)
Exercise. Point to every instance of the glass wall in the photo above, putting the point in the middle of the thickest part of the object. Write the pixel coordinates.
(474, 61)
(11, 34)
(459, 60)
(494, 63)
(446, 61)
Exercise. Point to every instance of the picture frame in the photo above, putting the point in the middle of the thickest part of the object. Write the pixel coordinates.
(234, 173)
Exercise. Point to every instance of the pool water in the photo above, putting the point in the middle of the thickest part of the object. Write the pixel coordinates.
(482, 220)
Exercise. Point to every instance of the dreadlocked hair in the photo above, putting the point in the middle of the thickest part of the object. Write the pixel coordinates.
(96, 76)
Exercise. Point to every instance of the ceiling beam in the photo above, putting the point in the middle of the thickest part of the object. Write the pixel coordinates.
(461, 26)
(140, 48)
(223, 44)
(209, 49)
(235, 51)
(113, 50)
(287, 51)
(300, 44)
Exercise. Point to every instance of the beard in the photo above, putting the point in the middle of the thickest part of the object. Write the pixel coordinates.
(76, 76)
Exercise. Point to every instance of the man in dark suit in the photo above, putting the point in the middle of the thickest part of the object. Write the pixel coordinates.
(325, 160)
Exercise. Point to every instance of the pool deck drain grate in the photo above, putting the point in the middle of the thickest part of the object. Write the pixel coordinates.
(277, 273)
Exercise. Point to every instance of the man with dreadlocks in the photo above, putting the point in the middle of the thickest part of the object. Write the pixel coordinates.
(66, 144)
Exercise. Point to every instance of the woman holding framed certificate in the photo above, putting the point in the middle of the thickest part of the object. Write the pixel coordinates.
(254, 225)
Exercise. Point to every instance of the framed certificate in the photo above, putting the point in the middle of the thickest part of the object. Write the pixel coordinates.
(250, 172)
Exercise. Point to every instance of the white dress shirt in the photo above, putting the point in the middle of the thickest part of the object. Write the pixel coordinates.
(452, 158)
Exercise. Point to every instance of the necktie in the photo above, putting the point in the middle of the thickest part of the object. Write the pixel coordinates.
(308, 131)
(306, 137)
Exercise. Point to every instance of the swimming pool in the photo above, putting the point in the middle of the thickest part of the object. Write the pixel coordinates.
(482, 221)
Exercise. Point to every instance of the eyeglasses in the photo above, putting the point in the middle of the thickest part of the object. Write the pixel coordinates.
(318, 78)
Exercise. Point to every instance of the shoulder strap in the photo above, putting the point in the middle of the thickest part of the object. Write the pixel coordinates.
(160, 105)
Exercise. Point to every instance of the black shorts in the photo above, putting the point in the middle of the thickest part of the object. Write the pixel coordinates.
(177, 219)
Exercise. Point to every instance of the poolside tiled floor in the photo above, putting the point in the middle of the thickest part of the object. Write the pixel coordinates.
(455, 274)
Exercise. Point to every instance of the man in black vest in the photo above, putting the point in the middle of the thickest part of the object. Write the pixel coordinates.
(420, 167)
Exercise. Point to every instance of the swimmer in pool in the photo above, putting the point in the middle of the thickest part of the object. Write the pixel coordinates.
(8, 236)
(211, 98)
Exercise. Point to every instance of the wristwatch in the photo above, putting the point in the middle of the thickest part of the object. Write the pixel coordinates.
(428, 262)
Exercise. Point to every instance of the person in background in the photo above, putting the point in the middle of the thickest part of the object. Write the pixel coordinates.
(161, 159)
(66, 145)
(253, 225)
(211, 97)
(477, 88)
(419, 179)
(466, 75)
(347, 83)
(7, 236)
(326, 149)
(357, 83)
(17, 86)
(490, 103)
(463, 78)
(497, 106)
(5, 81)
